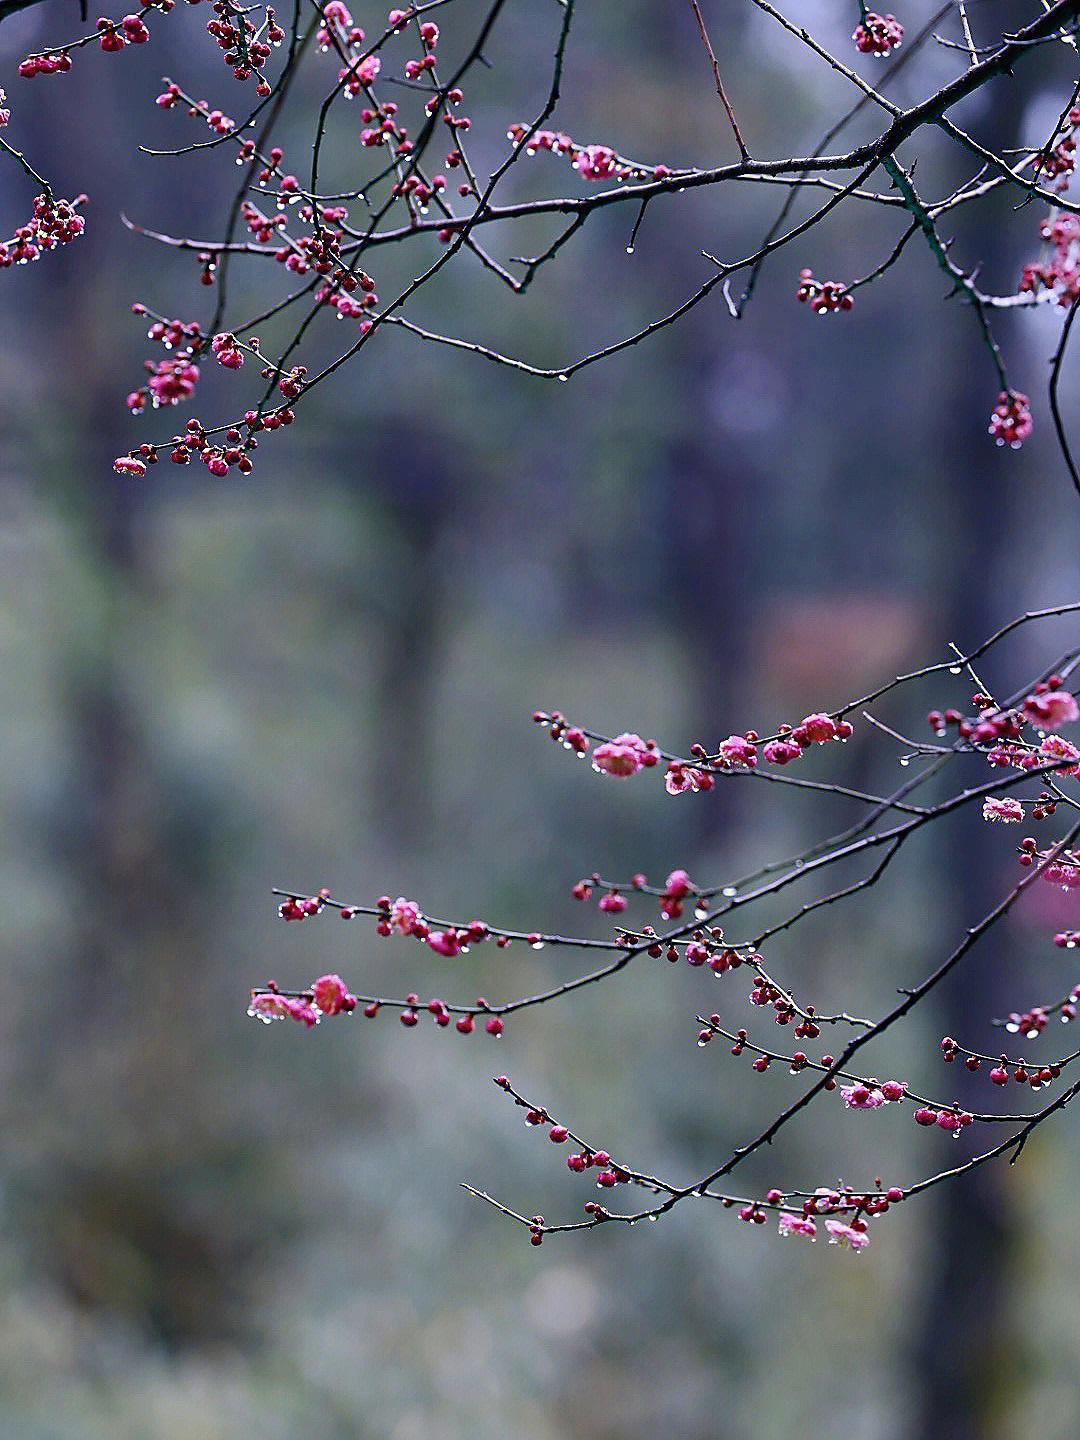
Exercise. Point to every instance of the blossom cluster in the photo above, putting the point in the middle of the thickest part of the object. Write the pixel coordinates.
(327, 996)
(592, 162)
(825, 296)
(53, 222)
(878, 35)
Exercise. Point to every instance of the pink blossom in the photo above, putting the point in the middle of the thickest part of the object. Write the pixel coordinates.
(406, 916)
(267, 1005)
(818, 727)
(1055, 748)
(737, 753)
(172, 381)
(612, 904)
(1010, 423)
(1005, 810)
(623, 756)
(797, 1225)
(595, 162)
(861, 1097)
(677, 885)
(129, 465)
(893, 1090)
(686, 777)
(779, 752)
(841, 1234)
(878, 34)
(444, 942)
(332, 996)
(1052, 709)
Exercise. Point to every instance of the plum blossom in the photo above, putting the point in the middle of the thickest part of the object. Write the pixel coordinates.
(129, 465)
(172, 381)
(1010, 422)
(861, 1097)
(623, 756)
(736, 753)
(797, 1225)
(268, 1005)
(445, 942)
(1001, 808)
(878, 34)
(1055, 748)
(841, 1234)
(686, 777)
(332, 996)
(406, 916)
(596, 162)
(779, 752)
(1052, 709)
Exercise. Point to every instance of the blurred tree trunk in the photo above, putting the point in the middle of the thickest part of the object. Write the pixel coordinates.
(966, 1352)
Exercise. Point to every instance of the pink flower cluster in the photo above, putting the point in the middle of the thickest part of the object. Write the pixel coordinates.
(47, 64)
(1003, 809)
(328, 996)
(171, 381)
(825, 296)
(870, 1097)
(816, 729)
(1010, 421)
(226, 351)
(625, 755)
(1051, 707)
(951, 1121)
(677, 887)
(878, 34)
(1060, 274)
(53, 223)
(680, 778)
(1063, 870)
(737, 752)
(592, 162)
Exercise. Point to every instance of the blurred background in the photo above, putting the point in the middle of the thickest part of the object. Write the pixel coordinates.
(323, 675)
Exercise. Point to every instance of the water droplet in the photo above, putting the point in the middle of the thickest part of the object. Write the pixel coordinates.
(799, 863)
(700, 911)
(1011, 1028)
(728, 891)
(700, 1044)
(563, 379)
(956, 669)
(629, 249)
(653, 1219)
(537, 944)
(905, 760)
